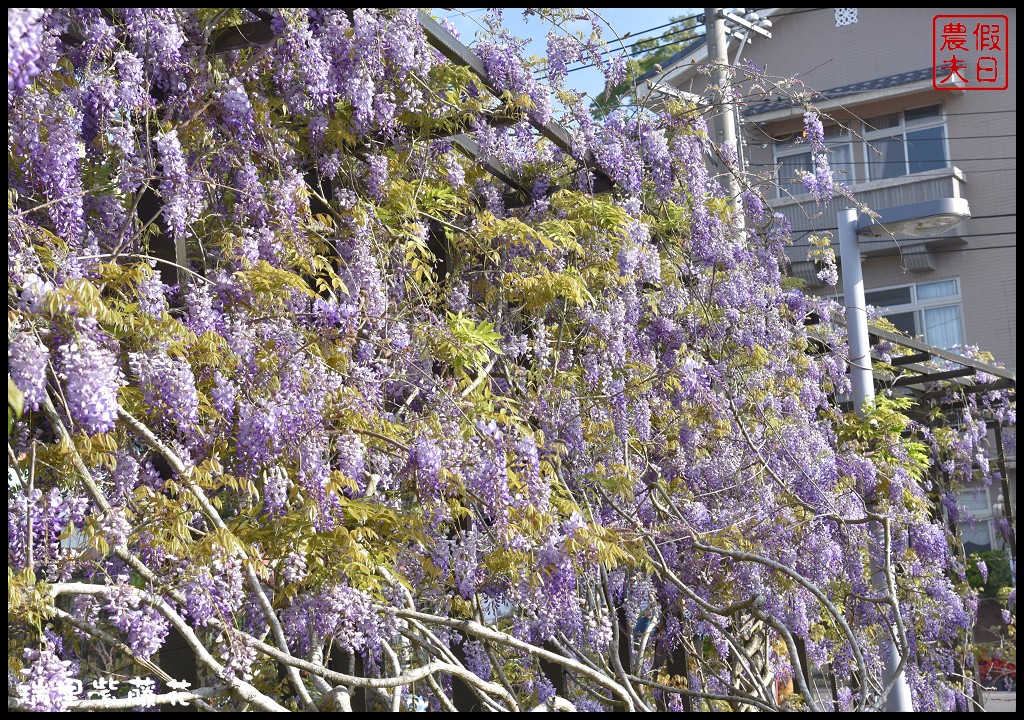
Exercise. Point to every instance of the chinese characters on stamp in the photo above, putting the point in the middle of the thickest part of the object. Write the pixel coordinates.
(970, 52)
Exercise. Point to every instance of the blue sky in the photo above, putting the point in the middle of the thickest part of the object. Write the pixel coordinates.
(623, 20)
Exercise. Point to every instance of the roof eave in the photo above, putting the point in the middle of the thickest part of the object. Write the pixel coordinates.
(846, 101)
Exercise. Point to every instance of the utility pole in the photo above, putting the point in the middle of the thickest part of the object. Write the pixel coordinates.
(718, 54)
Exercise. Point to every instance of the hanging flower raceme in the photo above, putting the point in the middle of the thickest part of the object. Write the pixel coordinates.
(24, 37)
(819, 182)
(92, 376)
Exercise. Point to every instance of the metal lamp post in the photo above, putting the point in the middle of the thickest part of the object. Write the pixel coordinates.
(918, 219)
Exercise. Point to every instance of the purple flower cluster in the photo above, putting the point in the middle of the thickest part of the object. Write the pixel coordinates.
(158, 40)
(562, 51)
(216, 591)
(425, 457)
(91, 376)
(364, 275)
(182, 203)
(168, 387)
(24, 35)
(929, 542)
(152, 295)
(223, 395)
(819, 183)
(351, 454)
(131, 92)
(236, 108)
(340, 614)
(814, 132)
(476, 659)
(48, 684)
(26, 362)
(340, 315)
(143, 627)
(486, 471)
(240, 655)
(257, 435)
(51, 513)
(276, 484)
(754, 207)
(56, 161)
(293, 568)
(508, 73)
(376, 176)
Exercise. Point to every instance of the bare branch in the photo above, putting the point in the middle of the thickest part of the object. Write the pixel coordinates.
(241, 689)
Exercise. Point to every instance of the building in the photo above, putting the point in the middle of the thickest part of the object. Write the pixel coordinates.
(894, 139)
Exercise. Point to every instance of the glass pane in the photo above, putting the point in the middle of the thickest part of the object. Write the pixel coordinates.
(942, 326)
(789, 177)
(905, 322)
(888, 298)
(925, 113)
(840, 157)
(943, 288)
(926, 149)
(974, 500)
(883, 122)
(976, 539)
(886, 158)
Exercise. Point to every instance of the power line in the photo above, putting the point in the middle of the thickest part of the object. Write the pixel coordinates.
(631, 35)
(997, 215)
(1009, 169)
(832, 117)
(972, 217)
(842, 177)
(981, 112)
(643, 50)
(658, 47)
(462, 11)
(850, 136)
(832, 142)
(643, 32)
(801, 12)
(900, 162)
(798, 12)
(805, 233)
(963, 249)
(972, 172)
(678, 21)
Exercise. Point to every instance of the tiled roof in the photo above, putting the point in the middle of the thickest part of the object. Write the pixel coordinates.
(845, 90)
(674, 59)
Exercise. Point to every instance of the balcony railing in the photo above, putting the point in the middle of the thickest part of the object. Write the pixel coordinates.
(808, 218)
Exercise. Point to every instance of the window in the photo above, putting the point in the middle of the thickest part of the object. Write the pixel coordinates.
(904, 143)
(793, 160)
(931, 310)
(976, 528)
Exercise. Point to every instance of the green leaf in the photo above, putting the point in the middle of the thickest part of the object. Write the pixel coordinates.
(15, 398)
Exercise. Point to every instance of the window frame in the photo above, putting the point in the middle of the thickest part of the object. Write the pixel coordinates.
(918, 306)
(843, 136)
(983, 519)
(899, 132)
